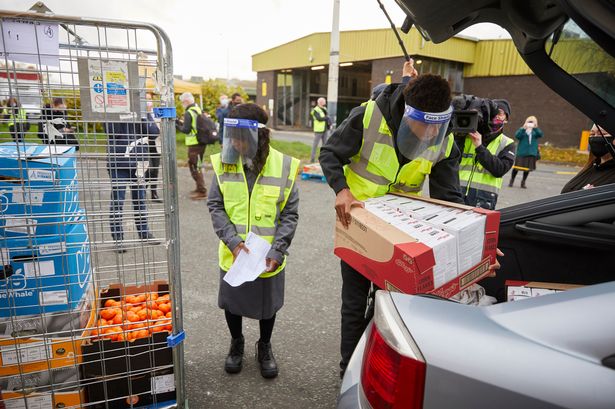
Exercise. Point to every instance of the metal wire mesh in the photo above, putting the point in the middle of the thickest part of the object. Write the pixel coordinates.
(89, 287)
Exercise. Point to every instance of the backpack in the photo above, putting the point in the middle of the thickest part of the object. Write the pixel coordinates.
(206, 132)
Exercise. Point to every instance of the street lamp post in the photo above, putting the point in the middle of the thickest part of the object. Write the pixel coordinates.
(334, 60)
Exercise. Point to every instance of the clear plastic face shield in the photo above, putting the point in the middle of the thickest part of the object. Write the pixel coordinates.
(419, 130)
(240, 140)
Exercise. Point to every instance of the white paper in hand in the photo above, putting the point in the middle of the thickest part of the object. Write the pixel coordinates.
(248, 266)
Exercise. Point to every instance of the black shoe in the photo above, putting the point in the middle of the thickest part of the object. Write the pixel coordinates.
(155, 197)
(523, 185)
(119, 248)
(264, 356)
(149, 238)
(510, 184)
(234, 359)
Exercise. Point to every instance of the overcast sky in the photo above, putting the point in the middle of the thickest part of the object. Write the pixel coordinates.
(216, 38)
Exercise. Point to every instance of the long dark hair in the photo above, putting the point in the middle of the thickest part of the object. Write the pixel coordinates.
(253, 111)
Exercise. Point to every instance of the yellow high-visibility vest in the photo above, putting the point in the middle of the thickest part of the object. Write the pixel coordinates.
(259, 211)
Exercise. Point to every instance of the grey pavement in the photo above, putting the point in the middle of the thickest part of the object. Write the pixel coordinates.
(306, 336)
(293, 136)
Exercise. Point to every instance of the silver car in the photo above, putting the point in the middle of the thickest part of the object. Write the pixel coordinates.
(554, 351)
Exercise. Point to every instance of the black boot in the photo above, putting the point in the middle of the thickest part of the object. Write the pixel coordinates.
(511, 183)
(234, 359)
(155, 197)
(264, 356)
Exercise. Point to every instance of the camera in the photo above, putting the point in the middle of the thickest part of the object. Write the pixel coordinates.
(464, 121)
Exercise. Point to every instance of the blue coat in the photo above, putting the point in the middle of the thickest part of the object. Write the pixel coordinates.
(526, 146)
(128, 142)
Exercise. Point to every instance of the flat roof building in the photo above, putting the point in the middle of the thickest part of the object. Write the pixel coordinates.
(292, 76)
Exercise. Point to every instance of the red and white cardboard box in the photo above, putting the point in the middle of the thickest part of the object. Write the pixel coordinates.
(388, 252)
(521, 290)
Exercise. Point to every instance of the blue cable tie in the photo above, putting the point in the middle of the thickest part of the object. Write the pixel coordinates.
(165, 112)
(175, 339)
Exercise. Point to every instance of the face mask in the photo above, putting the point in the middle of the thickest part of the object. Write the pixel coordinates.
(529, 125)
(496, 124)
(598, 146)
(224, 102)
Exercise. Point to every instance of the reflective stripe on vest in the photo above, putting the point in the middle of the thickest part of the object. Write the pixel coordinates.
(191, 138)
(21, 116)
(319, 126)
(259, 211)
(472, 174)
(375, 170)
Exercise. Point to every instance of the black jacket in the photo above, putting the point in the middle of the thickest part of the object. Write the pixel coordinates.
(346, 141)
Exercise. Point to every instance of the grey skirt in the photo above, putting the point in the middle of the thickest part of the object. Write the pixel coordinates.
(259, 299)
(528, 162)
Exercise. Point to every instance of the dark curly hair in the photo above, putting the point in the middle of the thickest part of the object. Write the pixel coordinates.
(428, 93)
(254, 112)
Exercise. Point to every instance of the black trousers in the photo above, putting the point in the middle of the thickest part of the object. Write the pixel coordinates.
(355, 293)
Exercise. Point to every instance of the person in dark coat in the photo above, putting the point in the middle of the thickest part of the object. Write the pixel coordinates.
(527, 150)
(127, 162)
(600, 167)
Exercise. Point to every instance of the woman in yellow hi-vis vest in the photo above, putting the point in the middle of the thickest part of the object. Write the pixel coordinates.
(252, 194)
(18, 120)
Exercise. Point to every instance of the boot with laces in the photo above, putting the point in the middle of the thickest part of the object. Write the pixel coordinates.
(234, 359)
(264, 356)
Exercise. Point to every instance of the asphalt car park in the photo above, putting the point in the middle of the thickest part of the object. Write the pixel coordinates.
(306, 339)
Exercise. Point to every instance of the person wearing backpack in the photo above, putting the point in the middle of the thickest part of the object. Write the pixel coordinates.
(196, 149)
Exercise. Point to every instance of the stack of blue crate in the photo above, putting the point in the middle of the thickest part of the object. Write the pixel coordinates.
(44, 245)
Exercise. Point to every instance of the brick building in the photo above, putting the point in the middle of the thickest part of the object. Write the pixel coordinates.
(292, 76)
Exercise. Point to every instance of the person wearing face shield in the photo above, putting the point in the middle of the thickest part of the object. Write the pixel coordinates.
(527, 151)
(600, 167)
(253, 190)
(390, 144)
(487, 157)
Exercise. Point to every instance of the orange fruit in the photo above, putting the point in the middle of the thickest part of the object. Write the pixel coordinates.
(142, 333)
(131, 316)
(108, 313)
(168, 314)
(141, 298)
(110, 302)
(119, 317)
(165, 307)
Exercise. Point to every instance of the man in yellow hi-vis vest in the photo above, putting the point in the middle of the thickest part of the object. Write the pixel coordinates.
(253, 193)
(486, 154)
(18, 120)
(321, 125)
(390, 144)
(196, 150)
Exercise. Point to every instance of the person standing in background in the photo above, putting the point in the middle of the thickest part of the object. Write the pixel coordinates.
(18, 120)
(151, 174)
(221, 113)
(196, 150)
(321, 123)
(527, 151)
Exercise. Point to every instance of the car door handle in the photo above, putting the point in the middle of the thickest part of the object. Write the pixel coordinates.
(579, 234)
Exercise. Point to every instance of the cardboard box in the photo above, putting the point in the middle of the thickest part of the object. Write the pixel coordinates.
(395, 260)
(51, 324)
(25, 354)
(45, 274)
(521, 290)
(38, 188)
(138, 388)
(56, 388)
(103, 357)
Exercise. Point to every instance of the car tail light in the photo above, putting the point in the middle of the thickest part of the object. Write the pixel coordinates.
(393, 371)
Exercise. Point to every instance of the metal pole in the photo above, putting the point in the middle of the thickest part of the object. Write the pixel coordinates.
(334, 61)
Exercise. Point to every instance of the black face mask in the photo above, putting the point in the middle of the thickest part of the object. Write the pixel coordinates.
(598, 146)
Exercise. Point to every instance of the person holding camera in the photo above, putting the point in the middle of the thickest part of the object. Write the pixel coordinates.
(527, 151)
(487, 155)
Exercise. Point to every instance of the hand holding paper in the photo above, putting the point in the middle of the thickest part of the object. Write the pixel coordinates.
(250, 263)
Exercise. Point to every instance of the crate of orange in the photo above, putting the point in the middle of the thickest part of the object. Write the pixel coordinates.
(131, 331)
